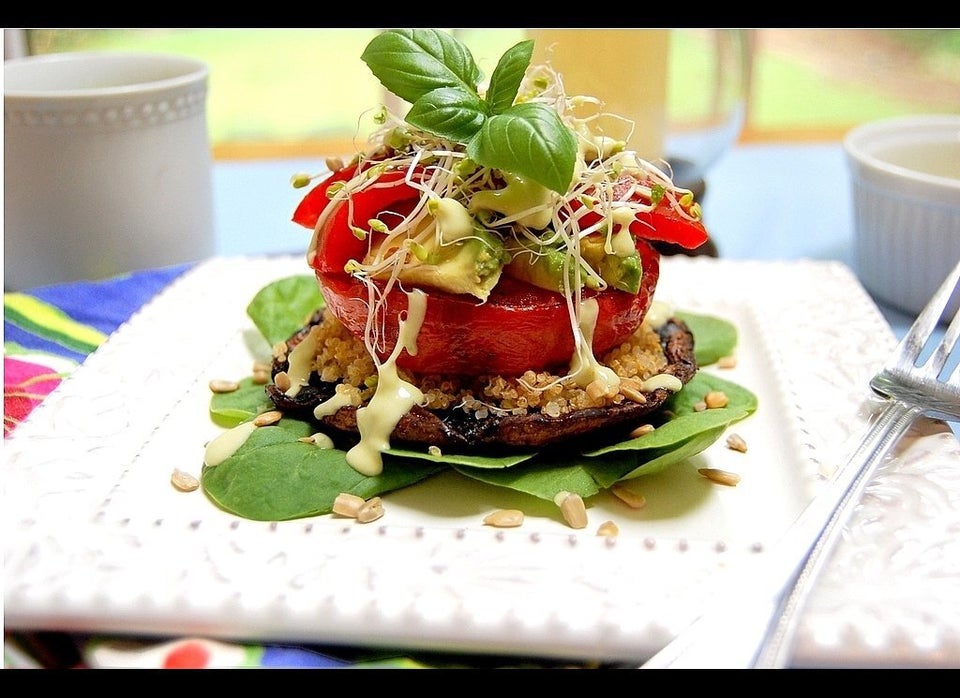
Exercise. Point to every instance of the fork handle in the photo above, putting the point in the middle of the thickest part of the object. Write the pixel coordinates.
(892, 423)
(756, 626)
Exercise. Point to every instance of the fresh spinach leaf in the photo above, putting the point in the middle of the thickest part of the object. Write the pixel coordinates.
(282, 307)
(276, 477)
(542, 478)
(715, 337)
(657, 460)
(242, 405)
(472, 460)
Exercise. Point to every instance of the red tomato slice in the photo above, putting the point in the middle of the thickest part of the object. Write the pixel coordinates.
(667, 225)
(312, 205)
(390, 198)
(519, 328)
(664, 223)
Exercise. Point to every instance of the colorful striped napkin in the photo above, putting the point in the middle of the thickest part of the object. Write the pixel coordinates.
(49, 331)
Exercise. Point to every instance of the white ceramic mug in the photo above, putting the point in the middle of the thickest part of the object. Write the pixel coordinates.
(107, 165)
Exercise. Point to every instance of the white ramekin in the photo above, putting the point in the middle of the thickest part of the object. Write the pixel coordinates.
(906, 193)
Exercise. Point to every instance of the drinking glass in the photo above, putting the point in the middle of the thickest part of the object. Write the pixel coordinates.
(708, 84)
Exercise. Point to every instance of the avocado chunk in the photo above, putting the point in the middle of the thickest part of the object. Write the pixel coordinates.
(470, 265)
(622, 273)
(542, 265)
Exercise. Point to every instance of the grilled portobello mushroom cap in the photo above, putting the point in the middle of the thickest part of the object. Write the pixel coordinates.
(458, 430)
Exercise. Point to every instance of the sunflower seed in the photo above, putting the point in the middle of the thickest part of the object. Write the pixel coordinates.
(347, 504)
(632, 499)
(223, 386)
(608, 528)
(715, 399)
(735, 442)
(371, 510)
(573, 509)
(185, 482)
(641, 430)
(723, 477)
(504, 518)
(727, 362)
(265, 419)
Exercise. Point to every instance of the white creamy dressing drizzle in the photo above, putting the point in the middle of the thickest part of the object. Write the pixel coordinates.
(622, 243)
(393, 397)
(661, 380)
(453, 220)
(341, 398)
(657, 315)
(584, 366)
(227, 443)
(592, 145)
(521, 197)
(623, 216)
(300, 362)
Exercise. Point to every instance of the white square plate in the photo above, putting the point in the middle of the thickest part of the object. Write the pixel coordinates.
(98, 540)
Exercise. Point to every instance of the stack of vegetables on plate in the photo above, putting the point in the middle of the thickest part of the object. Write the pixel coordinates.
(481, 299)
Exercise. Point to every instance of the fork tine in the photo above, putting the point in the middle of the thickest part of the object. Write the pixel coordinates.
(949, 341)
(912, 344)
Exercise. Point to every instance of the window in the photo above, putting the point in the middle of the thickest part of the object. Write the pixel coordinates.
(277, 92)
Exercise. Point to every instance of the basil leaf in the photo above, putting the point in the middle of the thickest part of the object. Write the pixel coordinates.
(282, 307)
(528, 140)
(412, 62)
(449, 112)
(506, 78)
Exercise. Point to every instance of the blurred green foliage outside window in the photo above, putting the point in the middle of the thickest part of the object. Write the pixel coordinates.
(272, 89)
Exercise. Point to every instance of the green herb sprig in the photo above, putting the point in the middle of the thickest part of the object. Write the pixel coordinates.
(438, 75)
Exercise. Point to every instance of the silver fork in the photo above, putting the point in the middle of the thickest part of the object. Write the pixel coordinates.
(761, 612)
